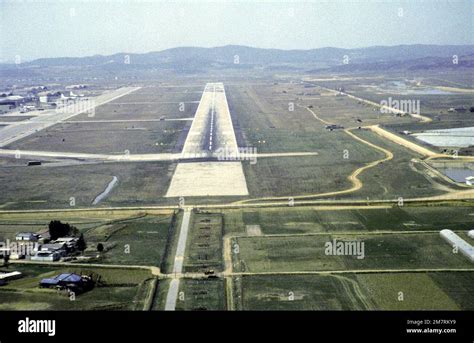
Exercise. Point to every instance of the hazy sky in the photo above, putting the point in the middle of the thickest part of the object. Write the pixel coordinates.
(33, 29)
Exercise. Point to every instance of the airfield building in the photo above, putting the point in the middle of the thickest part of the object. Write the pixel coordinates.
(464, 247)
(48, 97)
(12, 101)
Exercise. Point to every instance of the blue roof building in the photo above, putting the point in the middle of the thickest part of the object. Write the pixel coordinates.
(62, 279)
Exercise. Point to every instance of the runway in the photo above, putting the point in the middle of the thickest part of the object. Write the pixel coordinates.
(210, 134)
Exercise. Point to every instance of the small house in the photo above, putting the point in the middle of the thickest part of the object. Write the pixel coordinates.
(69, 242)
(59, 248)
(27, 236)
(70, 281)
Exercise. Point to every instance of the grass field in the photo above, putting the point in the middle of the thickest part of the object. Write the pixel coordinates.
(134, 242)
(120, 289)
(106, 138)
(290, 176)
(43, 187)
(204, 243)
(397, 177)
(384, 251)
(206, 294)
(12, 223)
(264, 121)
(148, 235)
(419, 291)
(151, 103)
(299, 220)
(300, 292)
(159, 301)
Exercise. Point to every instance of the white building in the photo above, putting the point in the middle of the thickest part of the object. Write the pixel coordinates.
(470, 180)
(27, 236)
(4, 108)
(47, 97)
(45, 256)
(69, 242)
(10, 276)
(76, 87)
(454, 240)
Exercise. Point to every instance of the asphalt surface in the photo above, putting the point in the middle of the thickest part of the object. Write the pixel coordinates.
(172, 295)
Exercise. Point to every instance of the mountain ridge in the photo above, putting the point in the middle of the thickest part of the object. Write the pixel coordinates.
(239, 54)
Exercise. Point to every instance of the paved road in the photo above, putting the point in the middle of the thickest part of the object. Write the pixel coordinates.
(356, 271)
(19, 130)
(404, 142)
(105, 121)
(137, 157)
(172, 295)
(91, 157)
(183, 235)
(389, 109)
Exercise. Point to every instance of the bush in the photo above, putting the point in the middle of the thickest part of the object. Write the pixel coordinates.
(100, 247)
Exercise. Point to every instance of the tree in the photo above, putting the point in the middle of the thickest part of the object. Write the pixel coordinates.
(81, 243)
(58, 229)
(100, 247)
(6, 258)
